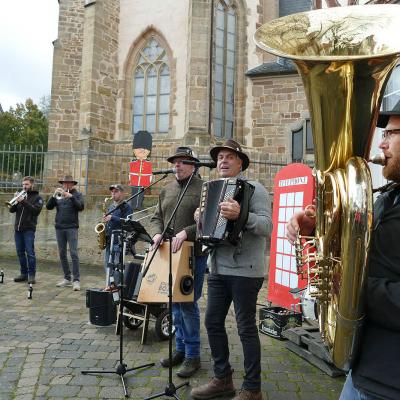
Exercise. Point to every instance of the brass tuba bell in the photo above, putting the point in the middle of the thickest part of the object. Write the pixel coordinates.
(344, 56)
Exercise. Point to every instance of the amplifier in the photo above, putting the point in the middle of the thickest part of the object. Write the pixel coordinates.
(102, 310)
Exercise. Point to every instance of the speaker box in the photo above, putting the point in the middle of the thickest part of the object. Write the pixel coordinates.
(154, 286)
(102, 310)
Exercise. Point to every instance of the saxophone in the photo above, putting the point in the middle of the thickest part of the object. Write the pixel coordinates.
(100, 228)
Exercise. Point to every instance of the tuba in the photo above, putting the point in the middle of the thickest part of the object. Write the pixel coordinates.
(344, 56)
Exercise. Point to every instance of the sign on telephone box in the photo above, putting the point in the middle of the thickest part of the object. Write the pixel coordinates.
(293, 190)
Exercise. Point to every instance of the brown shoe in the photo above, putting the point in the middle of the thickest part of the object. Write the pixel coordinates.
(248, 395)
(215, 388)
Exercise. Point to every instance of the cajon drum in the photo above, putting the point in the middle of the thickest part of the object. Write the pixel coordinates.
(154, 286)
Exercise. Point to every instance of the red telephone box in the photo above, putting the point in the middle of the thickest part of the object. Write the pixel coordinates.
(293, 190)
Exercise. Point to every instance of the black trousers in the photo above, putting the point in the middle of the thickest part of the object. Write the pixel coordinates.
(243, 292)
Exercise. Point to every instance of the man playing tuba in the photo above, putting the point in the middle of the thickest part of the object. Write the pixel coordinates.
(375, 373)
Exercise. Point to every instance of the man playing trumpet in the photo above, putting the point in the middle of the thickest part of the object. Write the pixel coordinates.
(68, 202)
(27, 206)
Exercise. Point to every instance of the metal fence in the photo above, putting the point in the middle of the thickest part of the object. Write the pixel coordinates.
(95, 170)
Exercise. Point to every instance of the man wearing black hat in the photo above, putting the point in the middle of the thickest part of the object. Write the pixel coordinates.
(113, 222)
(186, 315)
(27, 207)
(236, 276)
(68, 202)
(375, 373)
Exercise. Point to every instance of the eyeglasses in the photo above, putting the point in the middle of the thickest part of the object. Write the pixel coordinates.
(387, 133)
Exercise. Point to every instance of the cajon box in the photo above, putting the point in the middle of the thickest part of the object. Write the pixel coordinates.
(154, 286)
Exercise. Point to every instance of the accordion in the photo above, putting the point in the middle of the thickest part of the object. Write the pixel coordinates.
(212, 228)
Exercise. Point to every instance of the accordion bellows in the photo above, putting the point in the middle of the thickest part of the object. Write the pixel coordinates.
(212, 227)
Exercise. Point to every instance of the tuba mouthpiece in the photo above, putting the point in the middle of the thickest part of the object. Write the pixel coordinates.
(379, 159)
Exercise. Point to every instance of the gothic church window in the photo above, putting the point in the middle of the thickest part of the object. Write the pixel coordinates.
(225, 39)
(151, 90)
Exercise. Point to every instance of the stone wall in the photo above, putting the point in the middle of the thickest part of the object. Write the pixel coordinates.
(67, 60)
(279, 105)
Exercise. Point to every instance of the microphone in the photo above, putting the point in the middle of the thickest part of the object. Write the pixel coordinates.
(211, 164)
(165, 171)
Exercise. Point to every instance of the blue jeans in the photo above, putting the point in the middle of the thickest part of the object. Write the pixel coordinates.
(187, 315)
(243, 292)
(25, 246)
(115, 260)
(69, 236)
(350, 392)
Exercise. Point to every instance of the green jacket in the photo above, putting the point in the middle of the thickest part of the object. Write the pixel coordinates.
(184, 218)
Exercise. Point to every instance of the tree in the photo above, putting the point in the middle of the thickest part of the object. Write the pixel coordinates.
(22, 128)
(25, 125)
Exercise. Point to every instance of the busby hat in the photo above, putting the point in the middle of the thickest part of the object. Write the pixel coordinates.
(142, 140)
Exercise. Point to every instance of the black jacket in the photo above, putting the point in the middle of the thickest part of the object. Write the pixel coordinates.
(27, 212)
(67, 210)
(377, 369)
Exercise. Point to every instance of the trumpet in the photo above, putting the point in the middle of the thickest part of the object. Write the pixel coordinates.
(17, 195)
(59, 193)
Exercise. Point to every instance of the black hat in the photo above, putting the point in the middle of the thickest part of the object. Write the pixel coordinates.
(183, 151)
(142, 140)
(384, 116)
(116, 186)
(67, 179)
(233, 146)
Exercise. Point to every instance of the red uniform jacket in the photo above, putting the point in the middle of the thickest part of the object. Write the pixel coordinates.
(140, 172)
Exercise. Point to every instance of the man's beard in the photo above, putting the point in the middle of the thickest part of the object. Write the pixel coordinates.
(392, 171)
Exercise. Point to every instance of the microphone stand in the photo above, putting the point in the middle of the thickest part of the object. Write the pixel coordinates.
(121, 369)
(168, 233)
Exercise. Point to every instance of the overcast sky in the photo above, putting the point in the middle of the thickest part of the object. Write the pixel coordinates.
(27, 30)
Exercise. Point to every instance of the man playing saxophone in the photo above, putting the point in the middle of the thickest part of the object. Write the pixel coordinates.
(27, 207)
(113, 222)
(374, 374)
(68, 202)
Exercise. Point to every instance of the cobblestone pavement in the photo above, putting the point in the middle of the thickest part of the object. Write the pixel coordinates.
(46, 342)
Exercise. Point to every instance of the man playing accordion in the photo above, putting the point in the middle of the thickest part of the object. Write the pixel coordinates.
(236, 275)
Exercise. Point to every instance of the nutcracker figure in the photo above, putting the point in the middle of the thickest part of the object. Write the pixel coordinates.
(140, 168)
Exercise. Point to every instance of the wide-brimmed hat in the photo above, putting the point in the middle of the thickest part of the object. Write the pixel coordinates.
(68, 178)
(183, 151)
(230, 144)
(116, 186)
(384, 116)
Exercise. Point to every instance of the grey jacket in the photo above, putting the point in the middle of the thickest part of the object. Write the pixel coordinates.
(248, 257)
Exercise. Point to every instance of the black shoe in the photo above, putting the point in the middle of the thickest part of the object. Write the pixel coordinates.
(31, 279)
(189, 367)
(21, 278)
(177, 358)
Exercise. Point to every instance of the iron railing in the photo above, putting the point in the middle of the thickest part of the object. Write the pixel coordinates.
(95, 170)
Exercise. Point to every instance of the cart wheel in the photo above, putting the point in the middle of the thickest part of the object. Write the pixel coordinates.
(131, 322)
(161, 326)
